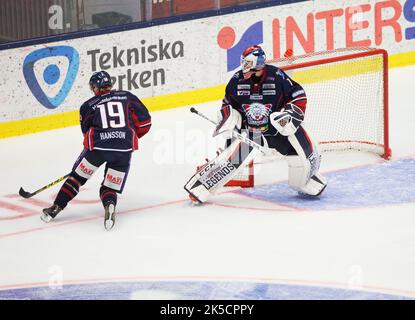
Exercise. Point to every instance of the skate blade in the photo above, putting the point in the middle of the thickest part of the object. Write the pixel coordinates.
(46, 218)
(109, 217)
(108, 224)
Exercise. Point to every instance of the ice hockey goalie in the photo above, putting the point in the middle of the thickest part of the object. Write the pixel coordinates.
(265, 102)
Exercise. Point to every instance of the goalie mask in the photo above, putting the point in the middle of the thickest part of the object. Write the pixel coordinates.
(252, 60)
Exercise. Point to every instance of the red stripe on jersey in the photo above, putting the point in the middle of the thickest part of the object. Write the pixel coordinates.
(143, 130)
(85, 143)
(141, 127)
(91, 139)
(145, 123)
(300, 102)
(136, 121)
(87, 139)
(134, 142)
(101, 92)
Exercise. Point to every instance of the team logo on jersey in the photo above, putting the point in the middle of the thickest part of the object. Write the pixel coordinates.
(244, 93)
(47, 62)
(244, 86)
(268, 86)
(257, 113)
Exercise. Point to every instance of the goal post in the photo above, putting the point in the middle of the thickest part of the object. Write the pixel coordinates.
(347, 101)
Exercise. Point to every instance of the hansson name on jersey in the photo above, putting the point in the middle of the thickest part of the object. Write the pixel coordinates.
(112, 135)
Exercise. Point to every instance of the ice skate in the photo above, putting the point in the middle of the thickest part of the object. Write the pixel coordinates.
(50, 213)
(109, 216)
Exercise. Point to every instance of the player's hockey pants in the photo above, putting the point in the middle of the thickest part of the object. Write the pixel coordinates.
(116, 168)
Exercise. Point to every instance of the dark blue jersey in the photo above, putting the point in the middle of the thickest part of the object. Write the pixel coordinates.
(113, 121)
(257, 97)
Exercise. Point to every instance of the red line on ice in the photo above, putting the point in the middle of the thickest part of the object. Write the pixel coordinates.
(56, 225)
(22, 211)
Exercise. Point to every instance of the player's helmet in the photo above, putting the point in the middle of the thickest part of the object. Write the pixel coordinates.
(252, 59)
(100, 79)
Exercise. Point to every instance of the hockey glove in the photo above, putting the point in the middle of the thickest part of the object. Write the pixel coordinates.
(228, 120)
(288, 119)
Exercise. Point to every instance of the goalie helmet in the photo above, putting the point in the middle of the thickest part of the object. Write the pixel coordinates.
(100, 80)
(252, 59)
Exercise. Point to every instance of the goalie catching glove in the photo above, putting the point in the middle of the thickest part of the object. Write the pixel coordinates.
(229, 119)
(288, 119)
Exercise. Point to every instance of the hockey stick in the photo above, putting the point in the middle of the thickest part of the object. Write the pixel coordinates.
(235, 133)
(26, 194)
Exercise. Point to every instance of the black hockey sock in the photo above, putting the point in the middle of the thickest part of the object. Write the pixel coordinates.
(67, 192)
(107, 195)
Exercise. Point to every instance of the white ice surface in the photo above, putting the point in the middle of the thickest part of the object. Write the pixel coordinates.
(159, 235)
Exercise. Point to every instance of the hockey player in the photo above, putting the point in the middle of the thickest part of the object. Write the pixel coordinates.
(265, 101)
(112, 122)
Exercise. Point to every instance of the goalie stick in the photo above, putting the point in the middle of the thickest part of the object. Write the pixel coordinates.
(27, 195)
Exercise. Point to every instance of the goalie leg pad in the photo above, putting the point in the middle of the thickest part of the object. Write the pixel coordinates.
(217, 172)
(298, 172)
(315, 186)
(303, 177)
(303, 167)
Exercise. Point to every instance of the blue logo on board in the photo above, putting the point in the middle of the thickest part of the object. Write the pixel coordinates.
(51, 74)
(226, 40)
